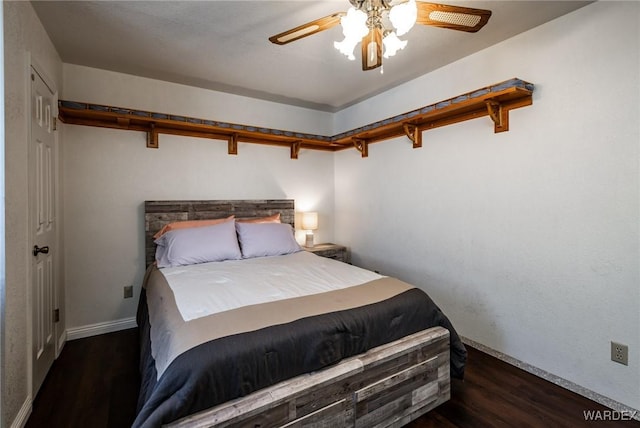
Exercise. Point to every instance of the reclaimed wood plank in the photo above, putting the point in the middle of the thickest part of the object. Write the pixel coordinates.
(327, 397)
(159, 213)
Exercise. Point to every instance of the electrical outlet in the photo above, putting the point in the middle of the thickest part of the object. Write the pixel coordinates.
(620, 353)
(128, 291)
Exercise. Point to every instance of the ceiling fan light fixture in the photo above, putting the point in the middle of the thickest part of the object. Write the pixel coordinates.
(354, 28)
(392, 44)
(403, 16)
(376, 25)
(346, 47)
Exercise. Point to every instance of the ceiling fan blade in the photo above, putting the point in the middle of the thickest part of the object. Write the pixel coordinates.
(452, 17)
(371, 49)
(307, 29)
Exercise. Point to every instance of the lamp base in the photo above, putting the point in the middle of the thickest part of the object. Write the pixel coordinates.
(309, 240)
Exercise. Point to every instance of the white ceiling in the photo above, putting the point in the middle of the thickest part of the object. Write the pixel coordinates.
(222, 45)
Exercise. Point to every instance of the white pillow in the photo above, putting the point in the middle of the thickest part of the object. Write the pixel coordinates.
(266, 239)
(183, 247)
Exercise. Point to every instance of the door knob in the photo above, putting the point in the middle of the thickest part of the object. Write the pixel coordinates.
(37, 250)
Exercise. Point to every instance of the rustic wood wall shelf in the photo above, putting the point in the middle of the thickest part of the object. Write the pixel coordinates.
(494, 101)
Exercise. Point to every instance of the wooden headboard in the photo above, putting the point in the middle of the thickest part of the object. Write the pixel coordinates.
(159, 213)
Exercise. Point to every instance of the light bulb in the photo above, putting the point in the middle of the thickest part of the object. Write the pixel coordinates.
(354, 28)
(392, 44)
(354, 24)
(346, 47)
(403, 16)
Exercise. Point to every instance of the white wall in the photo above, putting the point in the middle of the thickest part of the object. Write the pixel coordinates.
(108, 175)
(23, 36)
(124, 90)
(527, 239)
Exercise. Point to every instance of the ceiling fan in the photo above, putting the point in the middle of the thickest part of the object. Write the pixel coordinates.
(378, 23)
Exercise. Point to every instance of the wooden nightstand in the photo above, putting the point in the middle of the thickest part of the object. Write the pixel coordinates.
(330, 251)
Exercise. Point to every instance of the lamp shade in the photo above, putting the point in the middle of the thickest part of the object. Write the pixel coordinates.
(403, 16)
(354, 28)
(310, 221)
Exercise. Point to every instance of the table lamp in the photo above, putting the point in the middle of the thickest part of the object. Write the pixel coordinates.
(309, 223)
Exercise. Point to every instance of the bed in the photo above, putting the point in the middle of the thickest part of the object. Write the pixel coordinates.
(347, 348)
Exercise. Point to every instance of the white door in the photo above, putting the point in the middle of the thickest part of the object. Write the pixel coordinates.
(42, 173)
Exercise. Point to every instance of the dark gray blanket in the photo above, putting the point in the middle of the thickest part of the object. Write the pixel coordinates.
(230, 367)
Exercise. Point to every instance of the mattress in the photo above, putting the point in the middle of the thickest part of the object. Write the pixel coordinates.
(214, 332)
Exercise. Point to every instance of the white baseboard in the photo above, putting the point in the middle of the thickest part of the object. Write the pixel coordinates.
(100, 328)
(23, 415)
(573, 387)
(61, 341)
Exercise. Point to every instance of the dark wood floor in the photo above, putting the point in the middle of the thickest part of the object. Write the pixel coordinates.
(94, 383)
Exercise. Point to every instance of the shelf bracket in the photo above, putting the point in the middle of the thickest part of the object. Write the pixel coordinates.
(152, 137)
(499, 115)
(295, 149)
(414, 134)
(362, 146)
(232, 144)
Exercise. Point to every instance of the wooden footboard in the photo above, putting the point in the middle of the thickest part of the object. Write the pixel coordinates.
(387, 386)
